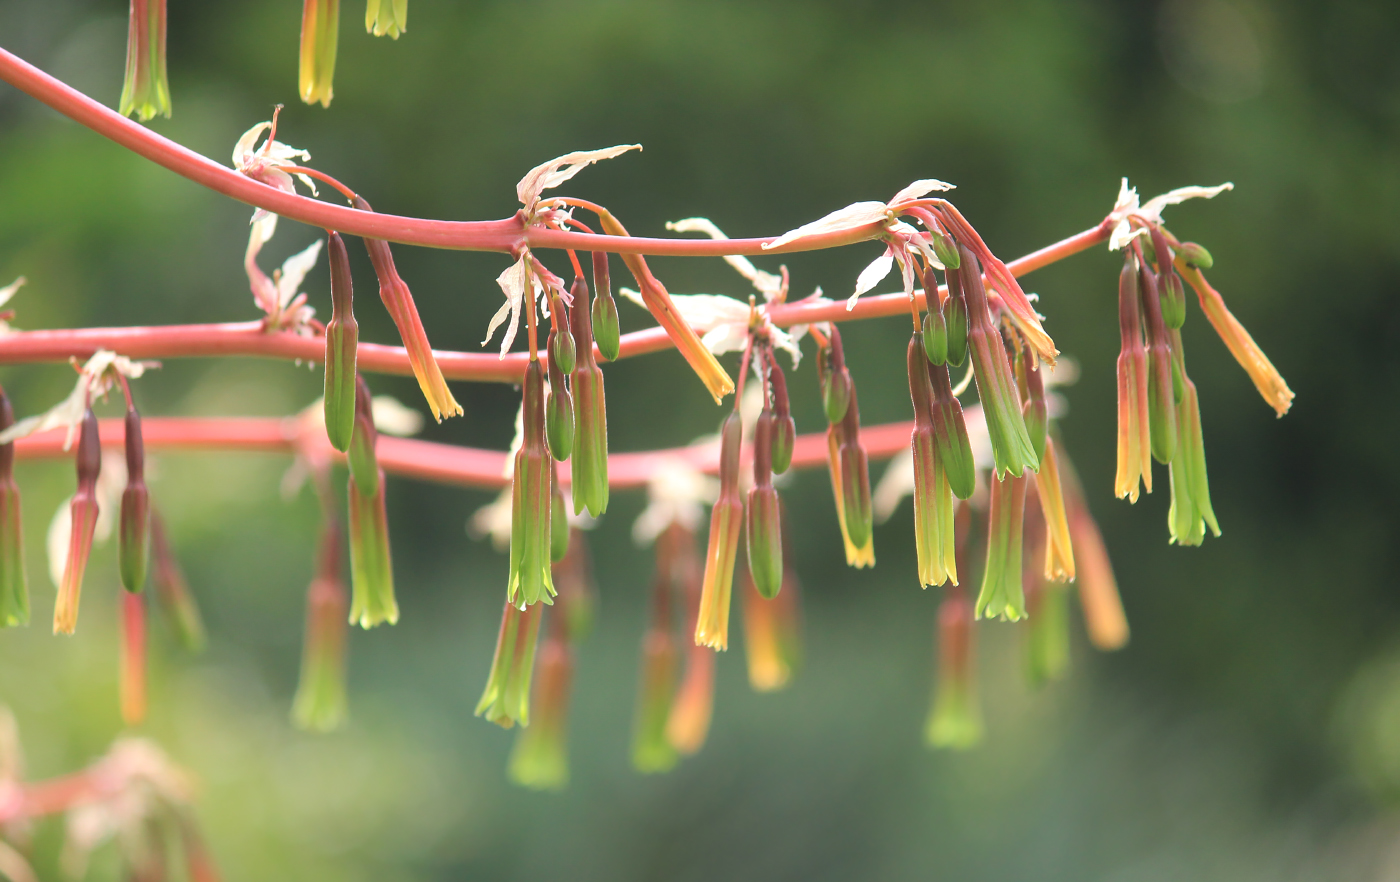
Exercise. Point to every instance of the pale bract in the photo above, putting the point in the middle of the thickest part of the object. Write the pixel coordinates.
(95, 378)
(557, 171)
(1127, 208)
(860, 213)
(279, 296)
(516, 278)
(723, 322)
(677, 493)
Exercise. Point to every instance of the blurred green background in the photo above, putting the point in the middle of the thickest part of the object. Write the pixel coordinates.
(1251, 730)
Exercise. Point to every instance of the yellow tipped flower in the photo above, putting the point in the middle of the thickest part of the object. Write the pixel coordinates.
(133, 658)
(386, 17)
(933, 500)
(506, 700)
(847, 461)
(320, 704)
(1242, 346)
(955, 719)
(689, 721)
(1001, 595)
(146, 90)
(1059, 549)
(540, 758)
(84, 522)
(772, 638)
(1134, 440)
(320, 32)
(726, 520)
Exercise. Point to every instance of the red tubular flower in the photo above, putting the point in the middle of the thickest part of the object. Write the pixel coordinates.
(173, 591)
(652, 750)
(1161, 397)
(133, 658)
(14, 590)
(1098, 589)
(726, 519)
(784, 427)
(320, 703)
(399, 301)
(933, 501)
(146, 89)
(320, 33)
(342, 349)
(135, 512)
(540, 758)
(955, 720)
(1001, 595)
(84, 522)
(763, 514)
(506, 700)
(772, 634)
(531, 538)
(589, 476)
(688, 723)
(1134, 440)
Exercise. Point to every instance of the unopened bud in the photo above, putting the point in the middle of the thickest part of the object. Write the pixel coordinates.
(1161, 398)
(342, 345)
(935, 331)
(320, 30)
(606, 330)
(955, 320)
(589, 478)
(135, 511)
(946, 250)
(561, 349)
(362, 459)
(1195, 255)
(764, 521)
(784, 427)
(835, 379)
(14, 590)
(531, 541)
(83, 509)
(1173, 300)
(320, 704)
(506, 700)
(559, 408)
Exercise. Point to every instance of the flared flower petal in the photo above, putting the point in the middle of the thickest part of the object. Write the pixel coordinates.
(555, 172)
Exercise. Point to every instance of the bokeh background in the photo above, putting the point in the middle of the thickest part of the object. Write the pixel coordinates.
(1251, 730)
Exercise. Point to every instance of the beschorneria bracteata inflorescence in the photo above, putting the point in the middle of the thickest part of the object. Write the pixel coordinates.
(994, 468)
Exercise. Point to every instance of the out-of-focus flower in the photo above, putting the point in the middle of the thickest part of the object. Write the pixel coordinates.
(540, 758)
(726, 520)
(506, 700)
(1001, 595)
(955, 720)
(386, 17)
(95, 378)
(320, 704)
(676, 494)
(320, 34)
(146, 89)
(14, 587)
(173, 591)
(133, 658)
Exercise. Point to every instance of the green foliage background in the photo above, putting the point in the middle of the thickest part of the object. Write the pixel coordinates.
(1250, 731)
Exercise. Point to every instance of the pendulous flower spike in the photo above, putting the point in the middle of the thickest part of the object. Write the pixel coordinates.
(320, 33)
(14, 588)
(559, 404)
(342, 345)
(133, 550)
(784, 427)
(146, 89)
(1001, 595)
(84, 523)
(531, 539)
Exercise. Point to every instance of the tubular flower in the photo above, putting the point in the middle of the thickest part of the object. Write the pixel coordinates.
(1161, 396)
(763, 514)
(772, 634)
(846, 458)
(320, 704)
(1011, 443)
(173, 591)
(933, 500)
(342, 344)
(559, 528)
(1001, 595)
(133, 658)
(84, 522)
(589, 476)
(1104, 619)
(14, 588)
(540, 758)
(955, 719)
(784, 427)
(386, 17)
(371, 566)
(606, 332)
(146, 89)
(531, 542)
(1134, 440)
(1190, 510)
(559, 404)
(652, 750)
(506, 700)
(320, 32)
(1030, 383)
(950, 438)
(1047, 632)
(134, 548)
(726, 519)
(278, 295)
(1059, 549)
(688, 723)
(1242, 346)
(399, 301)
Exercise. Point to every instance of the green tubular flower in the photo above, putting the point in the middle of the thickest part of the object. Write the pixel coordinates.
(1011, 444)
(133, 549)
(559, 405)
(342, 344)
(531, 541)
(371, 565)
(1134, 438)
(558, 518)
(1034, 412)
(14, 588)
(955, 319)
(1190, 512)
(84, 521)
(606, 331)
(540, 758)
(364, 438)
(146, 89)
(386, 17)
(835, 378)
(955, 720)
(173, 591)
(1047, 634)
(1161, 397)
(726, 519)
(506, 700)
(320, 704)
(320, 33)
(784, 427)
(933, 502)
(590, 455)
(935, 329)
(764, 519)
(1001, 595)
(950, 434)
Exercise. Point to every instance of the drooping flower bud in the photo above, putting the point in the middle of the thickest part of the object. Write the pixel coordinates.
(726, 519)
(558, 518)
(945, 249)
(688, 723)
(784, 427)
(1161, 399)
(852, 477)
(561, 346)
(1169, 288)
(589, 476)
(1011, 444)
(772, 634)
(506, 700)
(531, 541)
(320, 33)
(320, 704)
(606, 330)
(386, 17)
(540, 758)
(955, 720)
(835, 378)
(1195, 256)
(933, 501)
(1241, 345)
(133, 658)
(342, 345)
(1001, 595)
(135, 512)
(83, 510)
(14, 588)
(399, 301)
(763, 513)
(559, 406)
(371, 564)
(146, 89)
(1134, 439)
(1190, 510)
(1059, 550)
(935, 330)
(950, 434)
(173, 591)
(955, 319)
